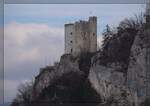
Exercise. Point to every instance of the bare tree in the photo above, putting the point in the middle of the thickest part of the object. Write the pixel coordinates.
(23, 98)
(135, 22)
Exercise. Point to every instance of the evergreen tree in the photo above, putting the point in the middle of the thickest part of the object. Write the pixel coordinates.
(106, 37)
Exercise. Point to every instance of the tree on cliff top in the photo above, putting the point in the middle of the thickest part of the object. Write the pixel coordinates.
(117, 42)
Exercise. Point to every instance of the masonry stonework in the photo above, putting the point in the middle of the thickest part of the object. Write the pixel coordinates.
(81, 37)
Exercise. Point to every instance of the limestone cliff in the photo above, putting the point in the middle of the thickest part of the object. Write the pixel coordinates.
(65, 83)
(49, 74)
(137, 69)
(123, 81)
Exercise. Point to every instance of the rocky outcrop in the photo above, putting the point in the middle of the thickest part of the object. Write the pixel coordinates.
(137, 70)
(110, 84)
(50, 74)
(65, 84)
(109, 81)
(71, 89)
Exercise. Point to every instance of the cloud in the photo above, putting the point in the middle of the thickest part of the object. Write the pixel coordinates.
(29, 42)
(27, 48)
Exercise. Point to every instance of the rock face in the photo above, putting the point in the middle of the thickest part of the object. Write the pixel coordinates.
(71, 89)
(65, 84)
(137, 69)
(133, 81)
(110, 85)
(49, 74)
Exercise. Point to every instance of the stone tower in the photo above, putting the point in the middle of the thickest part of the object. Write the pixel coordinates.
(81, 37)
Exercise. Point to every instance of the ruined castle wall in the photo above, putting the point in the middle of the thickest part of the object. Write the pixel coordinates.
(93, 33)
(68, 38)
(81, 37)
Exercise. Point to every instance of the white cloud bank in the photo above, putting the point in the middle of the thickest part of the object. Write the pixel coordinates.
(28, 47)
(30, 42)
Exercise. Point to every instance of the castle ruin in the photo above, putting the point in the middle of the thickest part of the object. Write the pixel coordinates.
(81, 37)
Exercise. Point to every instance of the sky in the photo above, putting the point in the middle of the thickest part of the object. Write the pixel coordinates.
(34, 35)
